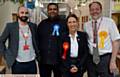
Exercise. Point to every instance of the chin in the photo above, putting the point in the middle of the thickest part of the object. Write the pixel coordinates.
(96, 17)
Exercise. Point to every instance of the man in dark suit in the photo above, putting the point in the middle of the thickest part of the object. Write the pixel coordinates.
(22, 48)
(49, 32)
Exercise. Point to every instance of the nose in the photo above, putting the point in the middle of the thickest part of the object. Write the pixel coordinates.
(24, 14)
(94, 11)
(73, 23)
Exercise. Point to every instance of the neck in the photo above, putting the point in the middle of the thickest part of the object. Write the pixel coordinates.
(97, 18)
(22, 23)
(72, 34)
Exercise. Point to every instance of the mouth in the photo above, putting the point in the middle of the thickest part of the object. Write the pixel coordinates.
(73, 28)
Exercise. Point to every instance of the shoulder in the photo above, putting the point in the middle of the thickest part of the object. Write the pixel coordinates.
(31, 23)
(107, 19)
(109, 22)
(62, 19)
(11, 24)
(43, 22)
(82, 34)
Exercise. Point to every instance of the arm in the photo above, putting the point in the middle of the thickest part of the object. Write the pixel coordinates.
(82, 62)
(36, 40)
(5, 34)
(115, 49)
(115, 36)
(66, 62)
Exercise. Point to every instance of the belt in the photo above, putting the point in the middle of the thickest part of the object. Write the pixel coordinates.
(24, 62)
(106, 54)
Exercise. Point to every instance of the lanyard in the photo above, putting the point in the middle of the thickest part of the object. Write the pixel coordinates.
(25, 35)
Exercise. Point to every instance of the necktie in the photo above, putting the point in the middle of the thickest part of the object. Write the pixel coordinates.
(96, 58)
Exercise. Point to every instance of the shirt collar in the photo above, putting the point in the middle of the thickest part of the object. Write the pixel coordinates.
(98, 20)
(76, 35)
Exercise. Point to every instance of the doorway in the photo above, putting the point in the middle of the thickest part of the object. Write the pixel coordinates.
(116, 18)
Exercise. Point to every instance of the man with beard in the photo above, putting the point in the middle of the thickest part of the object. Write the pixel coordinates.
(49, 33)
(22, 48)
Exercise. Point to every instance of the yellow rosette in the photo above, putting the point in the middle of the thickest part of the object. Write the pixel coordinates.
(103, 35)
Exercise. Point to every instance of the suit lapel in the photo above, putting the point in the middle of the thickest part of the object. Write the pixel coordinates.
(78, 40)
(32, 32)
(31, 29)
(16, 29)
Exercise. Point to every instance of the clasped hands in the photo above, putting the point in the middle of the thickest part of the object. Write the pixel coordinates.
(73, 69)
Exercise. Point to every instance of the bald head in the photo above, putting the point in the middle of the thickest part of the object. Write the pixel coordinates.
(23, 14)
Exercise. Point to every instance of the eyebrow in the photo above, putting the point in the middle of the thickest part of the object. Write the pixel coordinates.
(24, 12)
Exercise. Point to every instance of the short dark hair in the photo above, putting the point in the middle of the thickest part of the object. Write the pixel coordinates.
(96, 3)
(53, 4)
(72, 15)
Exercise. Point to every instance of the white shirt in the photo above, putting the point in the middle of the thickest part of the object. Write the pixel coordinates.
(73, 46)
(25, 55)
(107, 33)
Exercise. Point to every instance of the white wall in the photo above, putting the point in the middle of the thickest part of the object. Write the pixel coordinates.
(6, 11)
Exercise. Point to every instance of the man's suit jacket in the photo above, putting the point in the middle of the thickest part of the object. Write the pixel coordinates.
(48, 42)
(11, 33)
(83, 51)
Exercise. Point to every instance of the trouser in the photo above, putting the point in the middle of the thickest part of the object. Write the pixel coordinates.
(46, 70)
(101, 69)
(68, 74)
(24, 67)
(118, 63)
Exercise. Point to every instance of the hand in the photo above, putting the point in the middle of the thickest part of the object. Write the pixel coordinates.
(113, 67)
(74, 69)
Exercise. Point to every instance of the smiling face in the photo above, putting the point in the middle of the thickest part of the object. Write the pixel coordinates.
(52, 11)
(95, 11)
(72, 24)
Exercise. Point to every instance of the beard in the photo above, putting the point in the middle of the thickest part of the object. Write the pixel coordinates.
(52, 16)
(23, 18)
